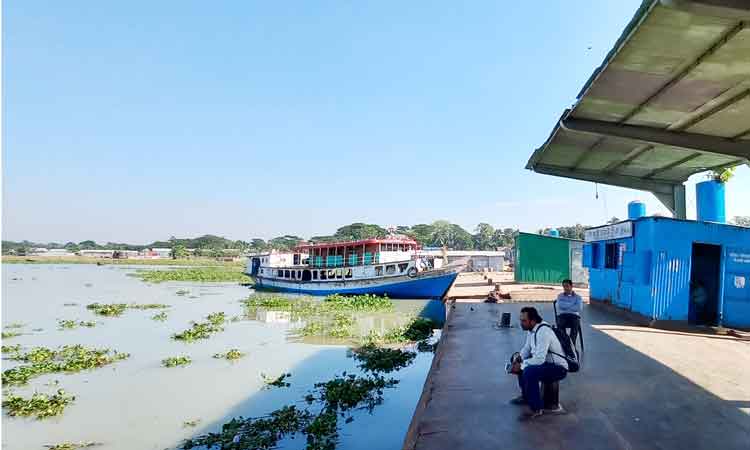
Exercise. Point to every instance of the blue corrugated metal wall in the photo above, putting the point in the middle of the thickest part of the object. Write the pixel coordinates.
(652, 276)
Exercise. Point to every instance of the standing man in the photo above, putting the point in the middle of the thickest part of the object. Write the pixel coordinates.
(569, 305)
(541, 360)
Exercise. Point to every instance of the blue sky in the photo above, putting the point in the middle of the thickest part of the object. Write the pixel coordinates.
(134, 121)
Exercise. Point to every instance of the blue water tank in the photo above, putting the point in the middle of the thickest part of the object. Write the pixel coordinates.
(636, 210)
(709, 198)
(553, 232)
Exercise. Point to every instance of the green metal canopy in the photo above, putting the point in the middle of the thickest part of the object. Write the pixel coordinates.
(671, 99)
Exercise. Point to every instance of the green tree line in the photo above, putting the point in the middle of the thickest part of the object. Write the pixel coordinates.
(440, 233)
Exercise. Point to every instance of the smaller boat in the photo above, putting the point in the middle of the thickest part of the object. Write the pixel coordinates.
(389, 266)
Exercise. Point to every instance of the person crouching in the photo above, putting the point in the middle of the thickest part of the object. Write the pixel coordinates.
(539, 360)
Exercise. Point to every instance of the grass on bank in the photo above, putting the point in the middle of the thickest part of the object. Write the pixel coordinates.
(198, 274)
(10, 259)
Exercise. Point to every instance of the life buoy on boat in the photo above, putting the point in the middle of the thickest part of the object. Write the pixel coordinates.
(412, 272)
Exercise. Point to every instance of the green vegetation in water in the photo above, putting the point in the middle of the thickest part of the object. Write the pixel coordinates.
(199, 274)
(376, 359)
(202, 330)
(161, 317)
(176, 361)
(71, 324)
(276, 382)
(70, 304)
(333, 317)
(334, 398)
(69, 358)
(39, 405)
(305, 307)
(10, 334)
(72, 445)
(11, 348)
(230, 355)
(419, 329)
(191, 423)
(14, 325)
(116, 309)
(109, 310)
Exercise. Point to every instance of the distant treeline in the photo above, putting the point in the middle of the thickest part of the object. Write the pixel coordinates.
(437, 234)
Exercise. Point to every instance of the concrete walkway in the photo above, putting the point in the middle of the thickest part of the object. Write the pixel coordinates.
(640, 388)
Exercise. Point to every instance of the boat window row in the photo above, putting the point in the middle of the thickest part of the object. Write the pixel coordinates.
(390, 269)
(313, 275)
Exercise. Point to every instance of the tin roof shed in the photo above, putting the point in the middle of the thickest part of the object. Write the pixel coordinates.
(671, 99)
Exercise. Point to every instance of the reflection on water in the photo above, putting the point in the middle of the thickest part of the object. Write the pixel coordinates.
(137, 404)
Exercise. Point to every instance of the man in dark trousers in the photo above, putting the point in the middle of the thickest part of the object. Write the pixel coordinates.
(541, 360)
(569, 305)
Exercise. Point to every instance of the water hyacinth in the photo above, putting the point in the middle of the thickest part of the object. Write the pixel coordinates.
(231, 355)
(176, 361)
(199, 274)
(377, 359)
(275, 382)
(71, 324)
(72, 445)
(69, 358)
(202, 330)
(39, 405)
(10, 334)
(161, 317)
(116, 309)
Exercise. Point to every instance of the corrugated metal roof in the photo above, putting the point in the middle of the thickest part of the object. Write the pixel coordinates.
(671, 99)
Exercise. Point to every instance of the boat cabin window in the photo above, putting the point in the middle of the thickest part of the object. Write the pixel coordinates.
(339, 273)
(261, 271)
(296, 259)
(378, 271)
(348, 273)
(390, 269)
(323, 275)
(314, 274)
(306, 275)
(331, 273)
(286, 274)
(294, 275)
(402, 267)
(280, 273)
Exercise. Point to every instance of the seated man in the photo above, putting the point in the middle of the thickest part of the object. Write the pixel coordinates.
(540, 360)
(496, 295)
(569, 306)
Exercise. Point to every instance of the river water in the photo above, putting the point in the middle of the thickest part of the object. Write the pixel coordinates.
(137, 403)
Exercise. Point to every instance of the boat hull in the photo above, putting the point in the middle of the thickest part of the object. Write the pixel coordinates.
(432, 285)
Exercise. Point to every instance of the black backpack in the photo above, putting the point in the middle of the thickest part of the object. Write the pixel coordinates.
(570, 356)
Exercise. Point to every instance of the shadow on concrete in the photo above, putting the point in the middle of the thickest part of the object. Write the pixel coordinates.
(707, 334)
(622, 399)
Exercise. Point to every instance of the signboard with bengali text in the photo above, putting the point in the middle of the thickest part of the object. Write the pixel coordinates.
(614, 231)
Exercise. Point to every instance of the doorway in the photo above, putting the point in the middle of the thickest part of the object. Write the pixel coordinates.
(704, 284)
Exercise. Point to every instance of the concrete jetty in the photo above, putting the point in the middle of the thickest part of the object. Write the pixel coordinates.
(640, 388)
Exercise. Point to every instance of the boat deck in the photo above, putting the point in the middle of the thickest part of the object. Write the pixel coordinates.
(640, 388)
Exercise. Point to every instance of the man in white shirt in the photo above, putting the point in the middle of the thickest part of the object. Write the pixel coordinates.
(541, 360)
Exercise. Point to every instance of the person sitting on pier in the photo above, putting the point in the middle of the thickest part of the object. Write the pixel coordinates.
(540, 360)
(496, 295)
(569, 315)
